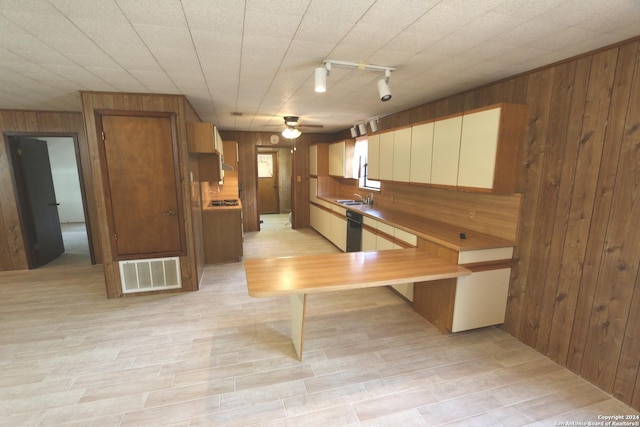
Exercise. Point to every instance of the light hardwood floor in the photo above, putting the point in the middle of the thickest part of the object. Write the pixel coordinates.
(218, 357)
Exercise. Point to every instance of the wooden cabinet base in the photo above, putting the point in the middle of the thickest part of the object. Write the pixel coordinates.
(434, 301)
(222, 236)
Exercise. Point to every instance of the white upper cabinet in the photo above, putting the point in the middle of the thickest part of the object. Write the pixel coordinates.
(386, 156)
(401, 154)
(478, 147)
(490, 148)
(373, 157)
(421, 153)
(341, 159)
(313, 160)
(446, 150)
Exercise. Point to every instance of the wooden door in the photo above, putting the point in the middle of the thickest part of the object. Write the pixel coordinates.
(268, 199)
(139, 171)
(38, 202)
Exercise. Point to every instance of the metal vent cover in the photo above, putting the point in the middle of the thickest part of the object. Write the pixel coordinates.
(143, 275)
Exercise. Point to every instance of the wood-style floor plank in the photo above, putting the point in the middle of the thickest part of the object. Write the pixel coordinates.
(218, 357)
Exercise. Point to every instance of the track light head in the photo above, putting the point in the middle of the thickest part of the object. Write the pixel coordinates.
(383, 90)
(373, 124)
(321, 80)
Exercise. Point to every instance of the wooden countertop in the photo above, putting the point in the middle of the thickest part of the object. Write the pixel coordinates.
(268, 277)
(438, 232)
(208, 208)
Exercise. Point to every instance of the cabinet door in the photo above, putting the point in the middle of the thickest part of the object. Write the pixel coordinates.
(313, 189)
(373, 157)
(402, 154)
(313, 160)
(336, 159)
(201, 137)
(421, 153)
(386, 156)
(339, 232)
(446, 150)
(478, 146)
(481, 299)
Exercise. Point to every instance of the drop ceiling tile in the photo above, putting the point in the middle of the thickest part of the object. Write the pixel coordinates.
(226, 16)
(162, 13)
(40, 25)
(270, 24)
(101, 31)
(31, 6)
(220, 47)
(133, 56)
(527, 9)
(164, 37)
(105, 10)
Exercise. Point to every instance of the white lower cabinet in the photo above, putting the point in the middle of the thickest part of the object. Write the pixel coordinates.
(481, 299)
(320, 220)
(338, 231)
(369, 237)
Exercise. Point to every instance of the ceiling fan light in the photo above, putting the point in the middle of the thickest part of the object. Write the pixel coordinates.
(291, 133)
(321, 79)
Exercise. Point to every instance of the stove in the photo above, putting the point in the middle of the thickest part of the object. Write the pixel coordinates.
(226, 202)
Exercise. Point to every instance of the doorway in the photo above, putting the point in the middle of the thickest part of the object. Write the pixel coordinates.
(274, 187)
(50, 199)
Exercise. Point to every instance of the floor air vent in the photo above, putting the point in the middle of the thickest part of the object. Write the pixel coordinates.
(142, 275)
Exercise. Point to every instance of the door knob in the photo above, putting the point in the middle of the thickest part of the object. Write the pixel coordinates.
(169, 213)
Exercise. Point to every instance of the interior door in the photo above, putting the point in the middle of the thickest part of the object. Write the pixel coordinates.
(268, 199)
(143, 203)
(40, 208)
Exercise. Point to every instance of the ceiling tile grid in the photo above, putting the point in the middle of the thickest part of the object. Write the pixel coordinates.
(258, 57)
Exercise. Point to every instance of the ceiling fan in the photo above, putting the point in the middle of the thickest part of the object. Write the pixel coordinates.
(292, 127)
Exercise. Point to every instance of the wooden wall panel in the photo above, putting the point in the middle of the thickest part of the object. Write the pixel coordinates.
(177, 104)
(12, 249)
(574, 291)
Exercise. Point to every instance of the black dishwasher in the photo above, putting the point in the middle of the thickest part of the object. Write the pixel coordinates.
(354, 231)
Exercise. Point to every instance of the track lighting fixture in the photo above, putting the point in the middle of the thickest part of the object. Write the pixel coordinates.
(383, 87)
(354, 132)
(362, 129)
(321, 77)
(373, 124)
(321, 74)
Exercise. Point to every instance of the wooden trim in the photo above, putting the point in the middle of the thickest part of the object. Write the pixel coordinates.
(488, 265)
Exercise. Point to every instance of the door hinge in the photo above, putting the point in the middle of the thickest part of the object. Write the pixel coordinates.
(102, 135)
(115, 236)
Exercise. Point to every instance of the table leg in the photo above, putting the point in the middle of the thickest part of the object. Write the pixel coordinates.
(298, 303)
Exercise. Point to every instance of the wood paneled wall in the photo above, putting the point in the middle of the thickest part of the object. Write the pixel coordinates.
(574, 292)
(12, 249)
(177, 104)
(248, 173)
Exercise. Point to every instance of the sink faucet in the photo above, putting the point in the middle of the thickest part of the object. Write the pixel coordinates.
(364, 200)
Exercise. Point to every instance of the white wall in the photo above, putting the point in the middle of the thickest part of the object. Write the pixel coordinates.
(66, 180)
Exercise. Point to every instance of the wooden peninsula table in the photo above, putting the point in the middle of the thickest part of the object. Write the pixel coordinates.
(298, 276)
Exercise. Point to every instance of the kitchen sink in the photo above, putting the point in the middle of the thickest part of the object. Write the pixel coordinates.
(350, 202)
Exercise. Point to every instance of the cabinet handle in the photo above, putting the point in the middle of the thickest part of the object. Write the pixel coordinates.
(170, 213)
